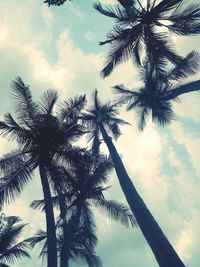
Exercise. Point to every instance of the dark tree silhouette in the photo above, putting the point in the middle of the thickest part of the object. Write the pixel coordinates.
(55, 2)
(156, 96)
(82, 188)
(102, 119)
(40, 136)
(137, 33)
(77, 246)
(11, 248)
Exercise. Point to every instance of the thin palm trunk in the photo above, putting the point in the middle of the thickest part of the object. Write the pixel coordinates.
(64, 256)
(163, 251)
(50, 222)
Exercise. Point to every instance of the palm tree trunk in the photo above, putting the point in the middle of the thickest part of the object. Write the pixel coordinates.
(163, 251)
(50, 222)
(64, 257)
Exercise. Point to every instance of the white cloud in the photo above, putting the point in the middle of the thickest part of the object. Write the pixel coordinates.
(47, 15)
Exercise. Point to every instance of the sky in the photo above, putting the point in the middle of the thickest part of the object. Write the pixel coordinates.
(58, 48)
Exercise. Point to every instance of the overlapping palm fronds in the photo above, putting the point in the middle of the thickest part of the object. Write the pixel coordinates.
(12, 248)
(136, 33)
(156, 96)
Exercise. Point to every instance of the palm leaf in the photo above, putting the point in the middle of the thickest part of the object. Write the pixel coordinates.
(115, 211)
(186, 67)
(14, 180)
(48, 101)
(25, 107)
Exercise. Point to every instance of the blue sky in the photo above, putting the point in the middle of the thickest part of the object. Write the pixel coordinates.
(58, 48)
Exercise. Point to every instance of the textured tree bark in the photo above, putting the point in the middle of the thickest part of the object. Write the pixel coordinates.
(50, 222)
(163, 251)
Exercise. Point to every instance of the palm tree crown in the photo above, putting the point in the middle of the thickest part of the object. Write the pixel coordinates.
(157, 94)
(102, 115)
(11, 248)
(143, 31)
(39, 133)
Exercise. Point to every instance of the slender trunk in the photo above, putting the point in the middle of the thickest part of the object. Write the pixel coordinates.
(50, 222)
(163, 251)
(64, 256)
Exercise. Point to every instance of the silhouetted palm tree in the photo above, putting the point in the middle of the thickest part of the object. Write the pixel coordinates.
(155, 97)
(11, 248)
(143, 31)
(83, 187)
(101, 119)
(40, 135)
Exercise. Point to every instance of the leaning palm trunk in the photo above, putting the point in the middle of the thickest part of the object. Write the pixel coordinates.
(51, 229)
(163, 251)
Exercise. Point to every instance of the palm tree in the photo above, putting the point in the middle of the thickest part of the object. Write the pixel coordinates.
(76, 244)
(11, 249)
(82, 188)
(155, 97)
(40, 135)
(102, 119)
(144, 31)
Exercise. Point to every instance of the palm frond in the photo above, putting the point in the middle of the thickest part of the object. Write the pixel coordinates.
(163, 115)
(85, 256)
(118, 13)
(186, 67)
(70, 109)
(183, 89)
(37, 239)
(10, 249)
(48, 101)
(185, 20)
(143, 114)
(13, 131)
(166, 5)
(14, 180)
(55, 2)
(26, 108)
(87, 221)
(16, 252)
(122, 48)
(116, 211)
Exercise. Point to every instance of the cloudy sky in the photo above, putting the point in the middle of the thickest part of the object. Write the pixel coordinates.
(58, 48)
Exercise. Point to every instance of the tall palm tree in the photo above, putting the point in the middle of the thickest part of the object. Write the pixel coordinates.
(155, 97)
(11, 248)
(40, 135)
(142, 31)
(102, 119)
(82, 187)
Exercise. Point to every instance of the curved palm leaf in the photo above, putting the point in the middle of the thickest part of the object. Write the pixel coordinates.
(11, 250)
(156, 97)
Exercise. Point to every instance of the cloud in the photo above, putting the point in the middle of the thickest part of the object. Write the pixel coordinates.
(42, 51)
